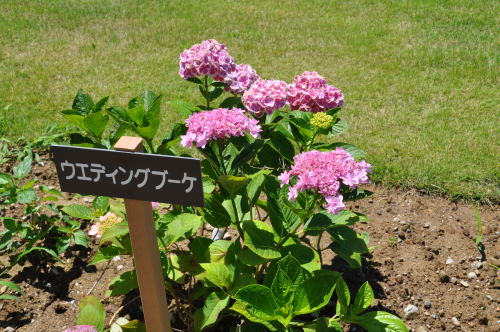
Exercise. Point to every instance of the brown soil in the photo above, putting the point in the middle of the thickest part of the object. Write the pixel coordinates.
(413, 236)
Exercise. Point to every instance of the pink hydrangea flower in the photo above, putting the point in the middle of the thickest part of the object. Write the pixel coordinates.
(209, 58)
(310, 93)
(218, 124)
(155, 205)
(324, 171)
(81, 328)
(106, 221)
(265, 96)
(241, 78)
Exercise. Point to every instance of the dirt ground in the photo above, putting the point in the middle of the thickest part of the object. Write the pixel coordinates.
(424, 255)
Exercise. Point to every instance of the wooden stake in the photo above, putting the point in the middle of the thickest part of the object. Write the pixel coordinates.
(146, 253)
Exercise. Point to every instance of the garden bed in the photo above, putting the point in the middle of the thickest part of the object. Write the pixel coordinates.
(424, 255)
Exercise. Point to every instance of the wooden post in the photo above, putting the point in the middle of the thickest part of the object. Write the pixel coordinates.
(146, 253)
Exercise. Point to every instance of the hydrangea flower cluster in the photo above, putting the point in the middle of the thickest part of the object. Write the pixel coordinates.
(310, 93)
(81, 328)
(105, 222)
(208, 58)
(265, 96)
(241, 78)
(218, 124)
(323, 171)
(322, 120)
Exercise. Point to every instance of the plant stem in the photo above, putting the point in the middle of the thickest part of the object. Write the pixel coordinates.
(206, 92)
(318, 248)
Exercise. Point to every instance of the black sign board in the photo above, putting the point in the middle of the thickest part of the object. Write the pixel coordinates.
(140, 176)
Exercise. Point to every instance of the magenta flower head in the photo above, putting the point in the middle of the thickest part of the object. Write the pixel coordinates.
(241, 78)
(323, 172)
(265, 96)
(81, 328)
(209, 58)
(218, 124)
(310, 93)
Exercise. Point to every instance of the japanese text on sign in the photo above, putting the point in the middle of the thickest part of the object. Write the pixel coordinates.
(129, 175)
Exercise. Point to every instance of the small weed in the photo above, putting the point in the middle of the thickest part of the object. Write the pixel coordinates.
(479, 235)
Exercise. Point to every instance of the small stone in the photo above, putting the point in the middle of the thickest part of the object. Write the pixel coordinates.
(420, 329)
(449, 261)
(427, 304)
(427, 225)
(489, 297)
(9, 329)
(453, 280)
(455, 321)
(379, 212)
(3, 289)
(464, 283)
(396, 219)
(443, 276)
(477, 265)
(119, 267)
(410, 311)
(226, 236)
(471, 275)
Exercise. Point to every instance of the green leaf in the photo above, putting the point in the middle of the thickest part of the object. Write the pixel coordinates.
(279, 213)
(338, 128)
(80, 238)
(206, 316)
(260, 239)
(307, 257)
(283, 289)
(323, 221)
(120, 115)
(194, 80)
(96, 123)
(348, 245)
(11, 285)
(62, 244)
(5, 179)
(100, 104)
(215, 213)
(26, 196)
(219, 274)
(231, 102)
(183, 108)
(233, 184)
(363, 299)
(101, 205)
(47, 250)
(104, 254)
(123, 284)
(22, 169)
(218, 250)
(91, 313)
(248, 257)
(83, 103)
(258, 301)
(248, 152)
(379, 321)
(115, 231)
(292, 268)
(9, 297)
(133, 326)
(76, 139)
(79, 211)
(74, 117)
(183, 226)
(354, 151)
(323, 324)
(199, 247)
(315, 292)
(343, 294)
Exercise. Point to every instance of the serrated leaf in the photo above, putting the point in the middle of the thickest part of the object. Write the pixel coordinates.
(183, 108)
(307, 257)
(206, 316)
(338, 128)
(315, 292)
(91, 313)
(83, 103)
(22, 169)
(219, 274)
(79, 211)
(348, 245)
(215, 213)
(80, 238)
(259, 301)
(379, 321)
(96, 123)
(363, 299)
(183, 226)
(260, 239)
(123, 284)
(323, 221)
(101, 204)
(104, 254)
(233, 184)
(115, 231)
(26, 196)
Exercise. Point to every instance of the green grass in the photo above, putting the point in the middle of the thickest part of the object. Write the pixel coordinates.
(420, 77)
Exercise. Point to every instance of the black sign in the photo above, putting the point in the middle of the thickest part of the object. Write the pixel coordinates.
(141, 176)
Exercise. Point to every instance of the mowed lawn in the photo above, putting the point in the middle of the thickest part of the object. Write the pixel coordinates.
(419, 77)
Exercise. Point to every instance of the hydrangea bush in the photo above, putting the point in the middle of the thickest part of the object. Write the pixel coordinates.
(276, 181)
